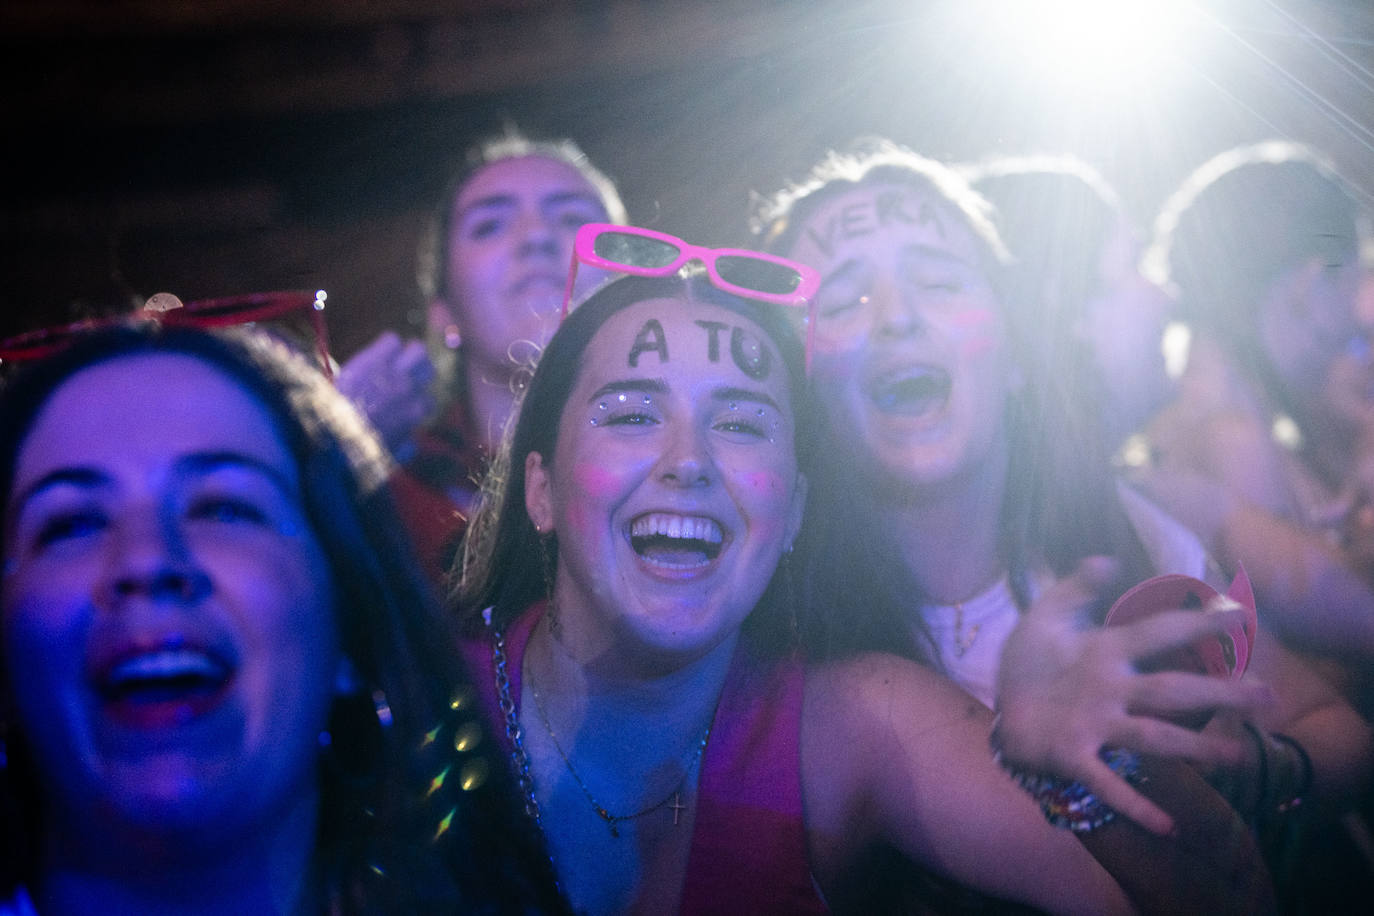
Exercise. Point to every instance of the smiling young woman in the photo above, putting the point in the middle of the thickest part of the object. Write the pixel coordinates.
(624, 603)
(221, 687)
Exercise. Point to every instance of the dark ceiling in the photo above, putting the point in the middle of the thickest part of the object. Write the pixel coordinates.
(231, 145)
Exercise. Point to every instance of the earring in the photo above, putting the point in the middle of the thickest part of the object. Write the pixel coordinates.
(453, 339)
(547, 564)
(790, 597)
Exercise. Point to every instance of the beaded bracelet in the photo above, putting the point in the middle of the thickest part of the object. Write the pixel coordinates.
(1070, 804)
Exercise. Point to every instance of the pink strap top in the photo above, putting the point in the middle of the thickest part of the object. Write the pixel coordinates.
(749, 849)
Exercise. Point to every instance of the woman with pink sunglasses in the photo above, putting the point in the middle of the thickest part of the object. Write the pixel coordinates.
(629, 600)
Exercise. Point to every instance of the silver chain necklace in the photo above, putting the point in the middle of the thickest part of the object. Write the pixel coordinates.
(521, 757)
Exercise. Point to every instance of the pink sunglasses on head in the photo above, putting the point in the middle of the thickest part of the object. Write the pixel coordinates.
(646, 253)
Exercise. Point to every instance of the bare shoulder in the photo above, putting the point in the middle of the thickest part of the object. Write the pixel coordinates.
(876, 718)
(873, 690)
(861, 734)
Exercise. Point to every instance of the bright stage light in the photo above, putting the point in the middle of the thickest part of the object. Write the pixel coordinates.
(1094, 45)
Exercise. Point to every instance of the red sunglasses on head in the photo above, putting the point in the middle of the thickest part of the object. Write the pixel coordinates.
(169, 311)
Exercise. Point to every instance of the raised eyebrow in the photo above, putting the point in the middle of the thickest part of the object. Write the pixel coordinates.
(198, 463)
(491, 201)
(648, 385)
(843, 272)
(745, 394)
(559, 198)
(75, 476)
(939, 254)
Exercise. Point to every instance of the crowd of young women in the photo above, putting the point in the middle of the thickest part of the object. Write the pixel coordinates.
(770, 538)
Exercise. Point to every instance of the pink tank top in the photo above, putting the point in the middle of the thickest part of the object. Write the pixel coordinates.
(749, 850)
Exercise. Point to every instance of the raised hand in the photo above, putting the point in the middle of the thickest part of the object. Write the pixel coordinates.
(1068, 688)
(389, 380)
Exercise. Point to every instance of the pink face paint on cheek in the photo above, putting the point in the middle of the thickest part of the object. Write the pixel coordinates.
(597, 481)
(766, 481)
(766, 486)
(595, 488)
(976, 331)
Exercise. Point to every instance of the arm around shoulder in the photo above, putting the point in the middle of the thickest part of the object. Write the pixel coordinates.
(894, 752)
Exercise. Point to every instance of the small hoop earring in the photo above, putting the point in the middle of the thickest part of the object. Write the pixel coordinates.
(789, 595)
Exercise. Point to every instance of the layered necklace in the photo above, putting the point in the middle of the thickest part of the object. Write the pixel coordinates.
(522, 761)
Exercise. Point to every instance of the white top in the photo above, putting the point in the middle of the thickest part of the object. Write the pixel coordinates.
(970, 636)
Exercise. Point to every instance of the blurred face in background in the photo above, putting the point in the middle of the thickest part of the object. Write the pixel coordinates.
(510, 244)
(1308, 320)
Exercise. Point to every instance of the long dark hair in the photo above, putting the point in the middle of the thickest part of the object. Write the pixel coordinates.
(507, 565)
(1056, 215)
(383, 844)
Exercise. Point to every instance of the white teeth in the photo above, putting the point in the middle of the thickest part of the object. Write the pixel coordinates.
(166, 663)
(686, 527)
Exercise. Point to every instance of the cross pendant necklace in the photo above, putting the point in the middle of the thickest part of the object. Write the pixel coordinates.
(612, 820)
(677, 806)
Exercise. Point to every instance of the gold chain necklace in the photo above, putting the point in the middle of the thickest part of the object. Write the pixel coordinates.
(963, 643)
(612, 820)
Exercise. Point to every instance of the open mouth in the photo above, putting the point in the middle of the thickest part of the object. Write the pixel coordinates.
(676, 541)
(170, 683)
(541, 282)
(910, 391)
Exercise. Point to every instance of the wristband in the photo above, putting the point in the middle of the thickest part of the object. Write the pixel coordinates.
(1069, 804)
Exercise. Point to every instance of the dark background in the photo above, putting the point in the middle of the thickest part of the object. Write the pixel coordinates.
(226, 146)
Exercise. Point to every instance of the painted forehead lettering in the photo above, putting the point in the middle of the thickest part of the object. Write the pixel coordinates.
(748, 351)
(872, 213)
(649, 339)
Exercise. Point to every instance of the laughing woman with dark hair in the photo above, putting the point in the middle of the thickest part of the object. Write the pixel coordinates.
(627, 596)
(224, 686)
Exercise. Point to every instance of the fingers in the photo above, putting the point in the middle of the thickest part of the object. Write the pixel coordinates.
(1169, 630)
(412, 362)
(389, 380)
(1164, 739)
(1074, 594)
(1118, 795)
(363, 368)
(1175, 691)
